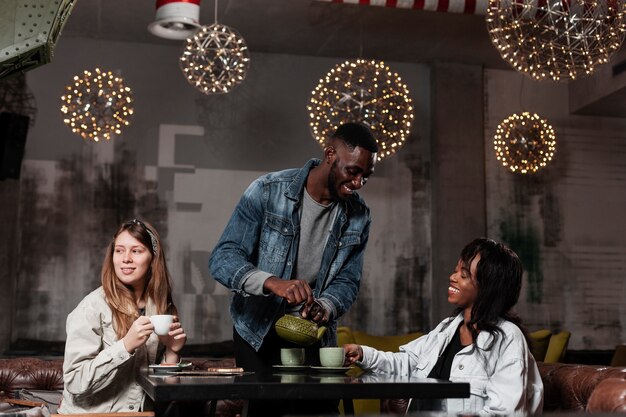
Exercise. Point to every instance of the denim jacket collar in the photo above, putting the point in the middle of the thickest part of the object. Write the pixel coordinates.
(294, 191)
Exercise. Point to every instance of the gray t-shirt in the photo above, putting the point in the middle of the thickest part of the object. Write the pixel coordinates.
(316, 221)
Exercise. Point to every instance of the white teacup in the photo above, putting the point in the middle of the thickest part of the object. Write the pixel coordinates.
(332, 357)
(161, 323)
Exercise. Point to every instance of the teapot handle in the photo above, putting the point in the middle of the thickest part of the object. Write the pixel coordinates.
(315, 308)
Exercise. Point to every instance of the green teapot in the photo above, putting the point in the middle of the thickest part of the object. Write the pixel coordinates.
(299, 330)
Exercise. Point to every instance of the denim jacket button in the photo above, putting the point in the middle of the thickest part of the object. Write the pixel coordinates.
(132, 407)
(289, 263)
(285, 230)
(339, 243)
(461, 367)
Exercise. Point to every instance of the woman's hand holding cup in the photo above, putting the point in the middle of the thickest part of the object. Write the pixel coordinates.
(353, 352)
(138, 334)
(171, 334)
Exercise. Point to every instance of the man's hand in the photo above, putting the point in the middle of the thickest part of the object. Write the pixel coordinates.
(295, 291)
(316, 312)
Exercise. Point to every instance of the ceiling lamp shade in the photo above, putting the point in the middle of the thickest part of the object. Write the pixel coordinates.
(556, 39)
(215, 59)
(524, 143)
(176, 19)
(29, 31)
(367, 92)
(96, 105)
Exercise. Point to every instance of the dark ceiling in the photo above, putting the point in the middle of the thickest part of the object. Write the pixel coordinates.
(308, 27)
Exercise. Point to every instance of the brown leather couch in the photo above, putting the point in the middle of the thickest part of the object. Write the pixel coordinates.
(46, 376)
(31, 374)
(568, 387)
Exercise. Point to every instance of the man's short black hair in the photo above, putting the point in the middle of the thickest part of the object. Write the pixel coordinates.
(356, 134)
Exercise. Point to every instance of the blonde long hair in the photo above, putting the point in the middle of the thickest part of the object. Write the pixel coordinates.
(157, 288)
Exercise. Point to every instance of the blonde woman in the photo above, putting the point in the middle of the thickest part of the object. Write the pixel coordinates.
(109, 334)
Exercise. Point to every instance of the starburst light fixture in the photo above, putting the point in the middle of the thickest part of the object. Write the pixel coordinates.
(215, 59)
(97, 105)
(556, 39)
(367, 92)
(524, 143)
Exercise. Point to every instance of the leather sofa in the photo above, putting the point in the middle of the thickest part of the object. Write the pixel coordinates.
(41, 380)
(567, 388)
(570, 387)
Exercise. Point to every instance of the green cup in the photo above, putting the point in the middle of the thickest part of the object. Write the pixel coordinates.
(332, 357)
(292, 356)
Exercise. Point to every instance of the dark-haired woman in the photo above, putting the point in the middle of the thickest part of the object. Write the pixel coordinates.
(109, 334)
(483, 343)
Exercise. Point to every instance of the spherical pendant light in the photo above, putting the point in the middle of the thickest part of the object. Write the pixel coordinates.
(524, 143)
(556, 39)
(367, 92)
(215, 59)
(97, 105)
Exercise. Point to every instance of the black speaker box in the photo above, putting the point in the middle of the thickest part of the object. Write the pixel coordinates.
(13, 130)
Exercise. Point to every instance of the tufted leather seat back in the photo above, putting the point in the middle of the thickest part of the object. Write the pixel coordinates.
(568, 387)
(608, 397)
(30, 374)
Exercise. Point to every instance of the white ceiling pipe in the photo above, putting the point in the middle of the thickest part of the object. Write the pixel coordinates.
(176, 19)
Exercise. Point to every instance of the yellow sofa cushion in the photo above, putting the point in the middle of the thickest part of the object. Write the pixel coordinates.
(619, 356)
(557, 347)
(344, 336)
(540, 339)
(385, 343)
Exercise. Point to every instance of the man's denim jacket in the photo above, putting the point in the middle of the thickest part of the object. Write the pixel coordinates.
(263, 234)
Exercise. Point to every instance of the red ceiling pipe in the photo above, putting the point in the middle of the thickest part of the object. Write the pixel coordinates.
(449, 6)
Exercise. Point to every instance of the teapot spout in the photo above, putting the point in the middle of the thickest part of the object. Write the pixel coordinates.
(320, 332)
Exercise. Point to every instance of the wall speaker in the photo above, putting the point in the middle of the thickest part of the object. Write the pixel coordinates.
(29, 30)
(13, 130)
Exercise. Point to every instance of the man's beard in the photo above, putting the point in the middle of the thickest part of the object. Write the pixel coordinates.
(332, 185)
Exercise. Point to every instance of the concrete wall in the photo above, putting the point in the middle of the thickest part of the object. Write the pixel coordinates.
(186, 158)
(458, 171)
(182, 164)
(565, 221)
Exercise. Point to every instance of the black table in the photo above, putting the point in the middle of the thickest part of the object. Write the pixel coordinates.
(309, 384)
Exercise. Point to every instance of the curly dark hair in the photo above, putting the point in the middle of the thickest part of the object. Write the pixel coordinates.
(356, 134)
(499, 283)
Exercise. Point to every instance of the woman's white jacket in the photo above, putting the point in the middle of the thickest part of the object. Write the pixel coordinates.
(503, 379)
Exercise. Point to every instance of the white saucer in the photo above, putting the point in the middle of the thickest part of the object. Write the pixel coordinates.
(332, 369)
(291, 368)
(160, 369)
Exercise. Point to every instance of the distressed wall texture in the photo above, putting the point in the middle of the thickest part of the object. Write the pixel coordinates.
(565, 221)
(186, 158)
(182, 164)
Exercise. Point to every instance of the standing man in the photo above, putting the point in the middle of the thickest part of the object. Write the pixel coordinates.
(297, 236)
